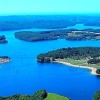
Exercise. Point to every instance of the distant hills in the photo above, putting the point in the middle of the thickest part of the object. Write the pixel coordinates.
(46, 21)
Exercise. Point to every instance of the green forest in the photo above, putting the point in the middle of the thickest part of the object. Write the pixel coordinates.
(3, 39)
(38, 95)
(77, 53)
(44, 95)
(83, 56)
(4, 57)
(97, 95)
(68, 34)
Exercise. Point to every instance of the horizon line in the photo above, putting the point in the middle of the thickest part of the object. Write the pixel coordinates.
(54, 13)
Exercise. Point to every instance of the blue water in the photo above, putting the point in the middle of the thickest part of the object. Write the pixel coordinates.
(25, 76)
(81, 26)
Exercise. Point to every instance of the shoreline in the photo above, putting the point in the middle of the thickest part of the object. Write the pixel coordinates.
(4, 61)
(93, 70)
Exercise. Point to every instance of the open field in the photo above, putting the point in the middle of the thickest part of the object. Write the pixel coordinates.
(52, 96)
(82, 62)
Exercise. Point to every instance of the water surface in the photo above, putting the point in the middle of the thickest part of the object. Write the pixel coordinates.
(25, 76)
(82, 26)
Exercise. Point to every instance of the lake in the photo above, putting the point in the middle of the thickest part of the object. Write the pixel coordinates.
(81, 26)
(25, 76)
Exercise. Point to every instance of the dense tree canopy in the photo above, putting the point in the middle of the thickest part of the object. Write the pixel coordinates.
(74, 53)
(94, 61)
(35, 36)
(96, 95)
(68, 34)
(3, 39)
(39, 95)
(98, 71)
(4, 57)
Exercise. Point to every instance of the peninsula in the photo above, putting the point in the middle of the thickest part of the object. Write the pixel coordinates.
(4, 59)
(82, 57)
(68, 34)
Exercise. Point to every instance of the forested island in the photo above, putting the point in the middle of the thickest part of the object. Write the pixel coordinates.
(4, 59)
(3, 39)
(68, 34)
(85, 57)
(38, 95)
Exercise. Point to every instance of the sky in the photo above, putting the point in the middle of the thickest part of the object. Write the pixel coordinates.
(48, 6)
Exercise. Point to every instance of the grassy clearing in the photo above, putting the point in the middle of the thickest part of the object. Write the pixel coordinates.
(52, 96)
(82, 62)
(97, 37)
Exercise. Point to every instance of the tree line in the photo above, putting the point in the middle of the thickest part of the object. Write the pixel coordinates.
(39, 95)
(68, 34)
(76, 53)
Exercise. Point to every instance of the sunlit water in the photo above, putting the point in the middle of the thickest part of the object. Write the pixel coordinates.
(25, 76)
(81, 26)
